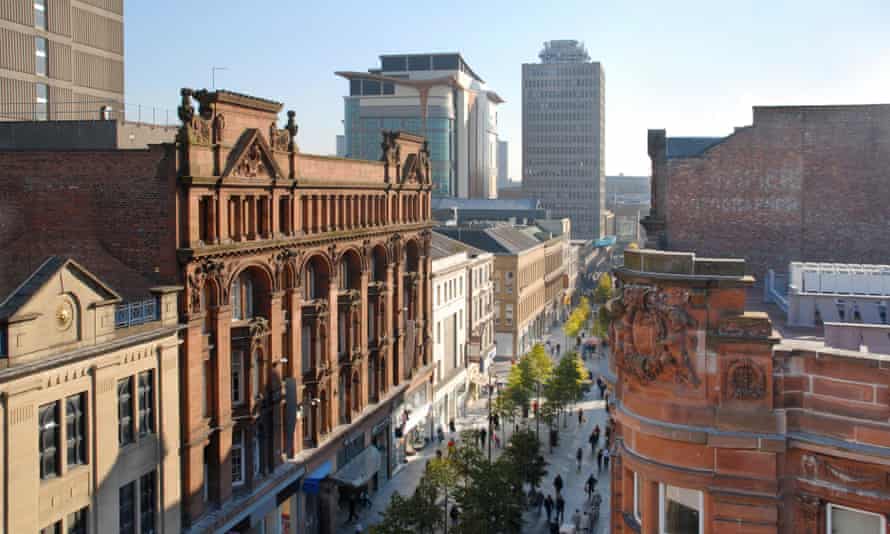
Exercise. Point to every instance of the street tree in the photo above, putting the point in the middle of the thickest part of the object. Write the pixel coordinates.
(492, 503)
(443, 475)
(604, 288)
(524, 453)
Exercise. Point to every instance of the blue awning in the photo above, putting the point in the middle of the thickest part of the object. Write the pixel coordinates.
(607, 241)
(311, 483)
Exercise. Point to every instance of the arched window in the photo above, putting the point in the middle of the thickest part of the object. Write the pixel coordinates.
(242, 297)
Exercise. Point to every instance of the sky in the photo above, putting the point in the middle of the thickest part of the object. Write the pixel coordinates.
(695, 68)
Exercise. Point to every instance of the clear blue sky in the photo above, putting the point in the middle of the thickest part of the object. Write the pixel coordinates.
(695, 68)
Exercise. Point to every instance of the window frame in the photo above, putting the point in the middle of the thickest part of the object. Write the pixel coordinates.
(237, 357)
(79, 434)
(129, 527)
(78, 515)
(830, 505)
(44, 451)
(637, 484)
(239, 447)
(41, 103)
(41, 57)
(662, 499)
(41, 21)
(125, 421)
(146, 406)
(148, 497)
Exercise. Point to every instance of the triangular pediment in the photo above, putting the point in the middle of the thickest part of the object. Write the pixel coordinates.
(49, 278)
(251, 157)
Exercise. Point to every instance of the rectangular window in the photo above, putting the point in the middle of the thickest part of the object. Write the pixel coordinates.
(147, 507)
(418, 62)
(55, 528)
(237, 457)
(40, 14)
(370, 87)
(75, 421)
(355, 87)
(49, 440)
(146, 403)
(77, 522)
(389, 88)
(843, 520)
(681, 510)
(237, 313)
(40, 51)
(237, 377)
(125, 411)
(127, 509)
(449, 62)
(41, 107)
(396, 63)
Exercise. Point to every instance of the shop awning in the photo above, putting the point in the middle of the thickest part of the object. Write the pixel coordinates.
(311, 483)
(358, 471)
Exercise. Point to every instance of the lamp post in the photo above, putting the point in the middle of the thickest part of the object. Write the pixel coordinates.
(490, 432)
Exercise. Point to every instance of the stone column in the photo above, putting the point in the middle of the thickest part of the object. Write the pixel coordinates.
(193, 423)
(332, 327)
(275, 374)
(294, 367)
(221, 490)
(222, 218)
(363, 339)
(395, 355)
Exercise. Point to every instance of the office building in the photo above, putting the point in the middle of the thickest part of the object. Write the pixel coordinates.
(341, 146)
(61, 60)
(306, 305)
(439, 97)
(503, 165)
(90, 412)
(563, 150)
(729, 420)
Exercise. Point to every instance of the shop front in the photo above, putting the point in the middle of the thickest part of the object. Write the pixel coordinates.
(410, 424)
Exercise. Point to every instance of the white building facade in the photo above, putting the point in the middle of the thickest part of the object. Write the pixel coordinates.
(450, 290)
(819, 293)
(439, 97)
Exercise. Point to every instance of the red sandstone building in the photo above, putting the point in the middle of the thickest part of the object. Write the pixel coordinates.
(724, 426)
(802, 183)
(306, 296)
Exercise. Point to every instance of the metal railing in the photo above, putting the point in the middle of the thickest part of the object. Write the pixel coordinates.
(136, 313)
(89, 110)
(775, 289)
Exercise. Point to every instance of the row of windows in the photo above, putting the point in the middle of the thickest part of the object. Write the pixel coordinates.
(537, 128)
(586, 81)
(556, 69)
(559, 140)
(560, 105)
(133, 417)
(75, 523)
(453, 288)
(370, 88)
(555, 162)
(562, 93)
(532, 117)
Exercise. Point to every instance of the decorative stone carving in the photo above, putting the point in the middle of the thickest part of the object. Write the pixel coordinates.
(219, 126)
(650, 334)
(745, 326)
(206, 268)
(282, 259)
(809, 509)
(391, 157)
(186, 110)
(252, 164)
(423, 163)
(745, 380)
(808, 465)
(280, 139)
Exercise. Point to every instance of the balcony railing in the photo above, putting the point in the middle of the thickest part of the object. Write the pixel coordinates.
(136, 313)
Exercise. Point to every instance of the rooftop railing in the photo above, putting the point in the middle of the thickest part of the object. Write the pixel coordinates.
(136, 313)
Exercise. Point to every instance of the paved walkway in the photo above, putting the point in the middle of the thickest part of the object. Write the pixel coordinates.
(561, 460)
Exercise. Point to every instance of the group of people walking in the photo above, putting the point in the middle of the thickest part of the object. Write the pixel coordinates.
(556, 508)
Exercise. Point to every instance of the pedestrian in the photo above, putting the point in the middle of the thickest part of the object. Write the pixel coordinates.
(352, 506)
(560, 509)
(455, 515)
(606, 458)
(439, 454)
(539, 501)
(548, 506)
(590, 486)
(576, 520)
(440, 434)
(599, 461)
(497, 422)
(558, 346)
(557, 483)
(579, 455)
(497, 441)
(580, 416)
(482, 437)
(451, 426)
(578, 341)
(451, 445)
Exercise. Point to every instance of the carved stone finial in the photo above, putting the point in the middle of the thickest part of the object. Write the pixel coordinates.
(186, 110)
(292, 123)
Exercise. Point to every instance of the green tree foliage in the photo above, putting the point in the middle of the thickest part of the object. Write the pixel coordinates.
(577, 318)
(418, 513)
(601, 325)
(493, 501)
(524, 454)
(444, 476)
(604, 288)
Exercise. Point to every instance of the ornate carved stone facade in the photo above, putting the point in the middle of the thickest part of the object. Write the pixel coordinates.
(753, 434)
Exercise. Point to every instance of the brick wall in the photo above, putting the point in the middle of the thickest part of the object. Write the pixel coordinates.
(801, 184)
(112, 211)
